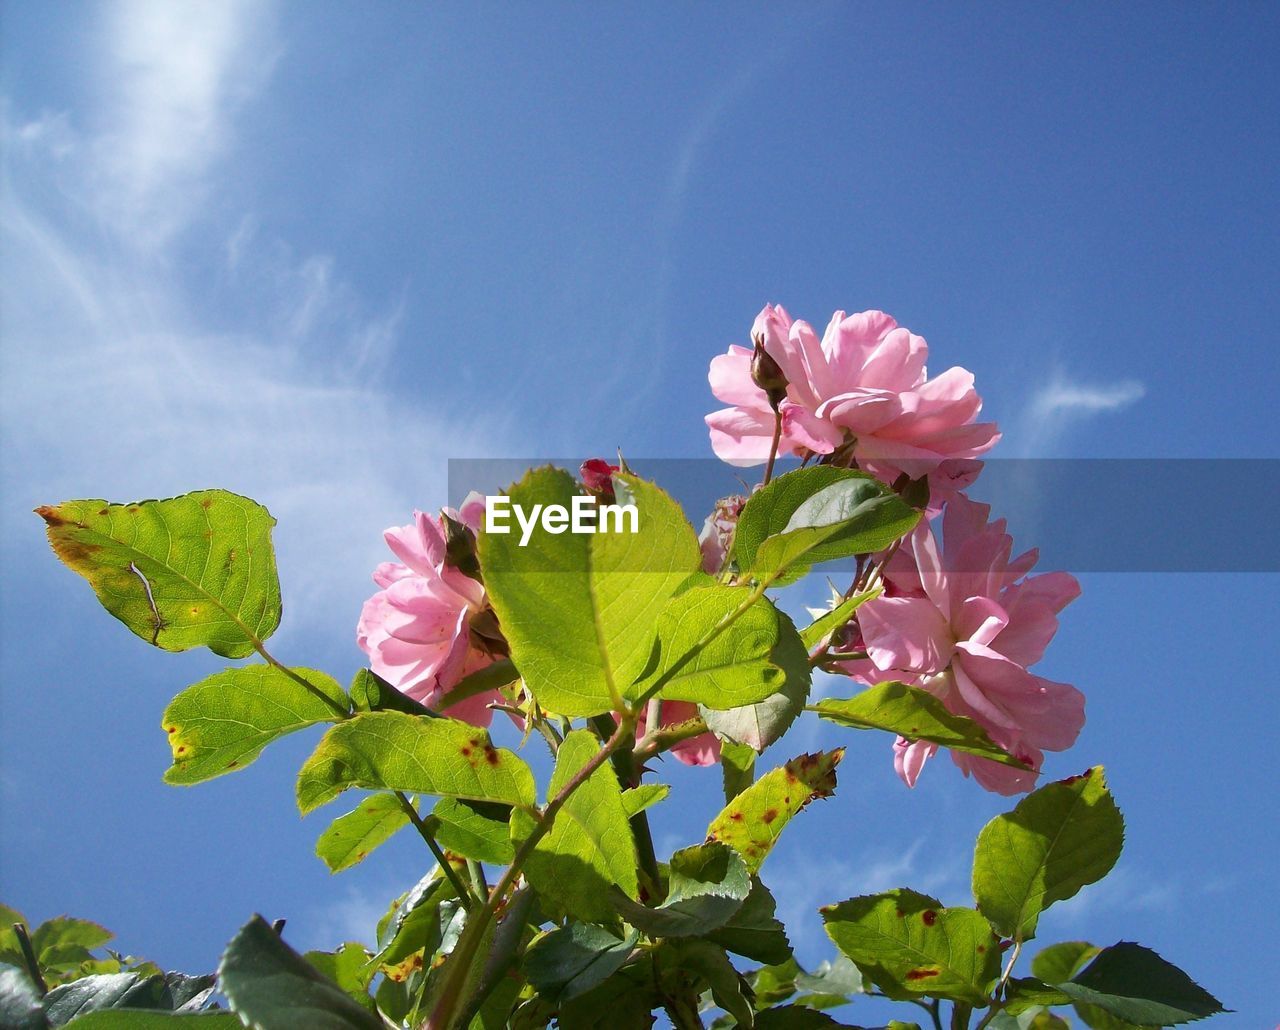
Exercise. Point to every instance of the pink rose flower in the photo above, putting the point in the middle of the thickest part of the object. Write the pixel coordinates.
(965, 623)
(862, 390)
(416, 628)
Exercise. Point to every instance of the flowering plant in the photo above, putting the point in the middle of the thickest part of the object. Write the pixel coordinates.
(549, 905)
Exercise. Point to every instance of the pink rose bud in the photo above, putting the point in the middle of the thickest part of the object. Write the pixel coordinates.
(766, 374)
(460, 546)
(597, 477)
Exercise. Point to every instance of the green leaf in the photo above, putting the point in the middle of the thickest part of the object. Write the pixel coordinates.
(371, 693)
(579, 610)
(636, 799)
(624, 1001)
(272, 987)
(442, 972)
(1023, 993)
(135, 1019)
(1137, 985)
(759, 725)
(774, 983)
(709, 961)
(570, 961)
(394, 751)
(495, 1010)
(191, 571)
(834, 978)
(64, 941)
(351, 837)
(738, 768)
(590, 846)
(814, 515)
(1058, 839)
(752, 821)
(473, 829)
(725, 668)
(492, 677)
(223, 722)
(348, 967)
(20, 1007)
(794, 1017)
(421, 924)
(818, 630)
(917, 715)
(169, 992)
(1060, 962)
(708, 884)
(909, 945)
(753, 930)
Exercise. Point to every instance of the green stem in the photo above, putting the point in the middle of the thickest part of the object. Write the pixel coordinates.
(465, 896)
(464, 953)
(773, 447)
(627, 768)
(683, 1012)
(960, 1016)
(29, 957)
(338, 708)
(502, 953)
(667, 737)
(478, 879)
(998, 993)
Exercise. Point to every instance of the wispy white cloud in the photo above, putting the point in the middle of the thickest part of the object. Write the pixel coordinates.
(119, 381)
(1062, 402)
(352, 916)
(174, 75)
(1124, 890)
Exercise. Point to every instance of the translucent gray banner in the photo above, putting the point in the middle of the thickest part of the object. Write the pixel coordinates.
(1084, 515)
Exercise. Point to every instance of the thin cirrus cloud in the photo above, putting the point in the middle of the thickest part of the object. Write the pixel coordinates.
(1063, 402)
(117, 380)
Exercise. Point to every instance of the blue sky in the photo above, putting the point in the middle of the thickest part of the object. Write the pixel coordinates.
(311, 252)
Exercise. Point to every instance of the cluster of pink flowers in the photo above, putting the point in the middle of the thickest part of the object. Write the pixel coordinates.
(964, 622)
(417, 628)
(862, 392)
(958, 617)
(960, 621)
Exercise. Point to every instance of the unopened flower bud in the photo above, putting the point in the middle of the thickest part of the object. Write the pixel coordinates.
(597, 477)
(460, 546)
(766, 374)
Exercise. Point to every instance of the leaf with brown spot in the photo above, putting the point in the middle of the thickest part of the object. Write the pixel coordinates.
(395, 751)
(190, 571)
(223, 722)
(753, 820)
(351, 837)
(908, 944)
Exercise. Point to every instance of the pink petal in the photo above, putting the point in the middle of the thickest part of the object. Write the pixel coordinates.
(980, 620)
(933, 579)
(801, 429)
(998, 778)
(861, 411)
(741, 436)
(905, 633)
(909, 757)
(730, 378)
(849, 340)
(896, 362)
